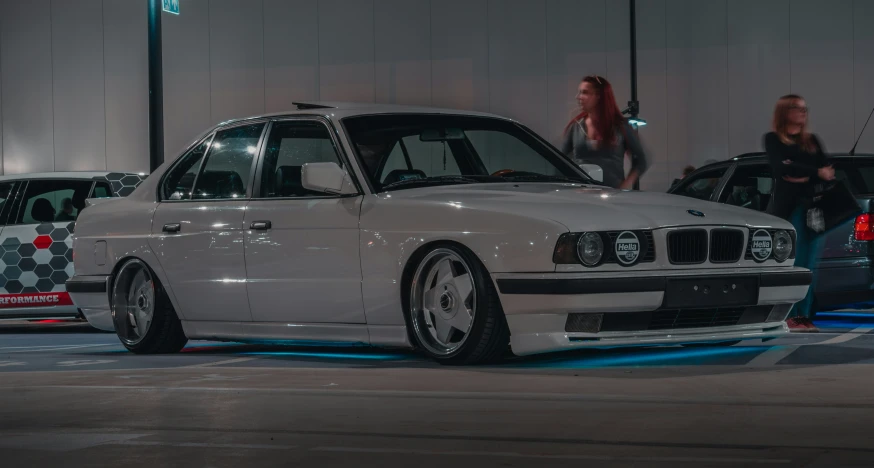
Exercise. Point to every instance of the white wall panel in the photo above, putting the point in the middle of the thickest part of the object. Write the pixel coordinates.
(291, 54)
(758, 69)
(79, 110)
(618, 50)
(187, 83)
(236, 32)
(863, 82)
(26, 51)
(125, 49)
(460, 54)
(1, 94)
(822, 67)
(697, 92)
(346, 50)
(652, 93)
(403, 51)
(572, 53)
(517, 61)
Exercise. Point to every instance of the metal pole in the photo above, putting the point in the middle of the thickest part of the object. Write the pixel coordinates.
(156, 88)
(633, 104)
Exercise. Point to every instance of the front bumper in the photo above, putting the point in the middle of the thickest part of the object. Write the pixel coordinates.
(631, 309)
(91, 295)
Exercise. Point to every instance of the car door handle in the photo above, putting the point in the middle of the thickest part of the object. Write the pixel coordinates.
(261, 225)
(172, 227)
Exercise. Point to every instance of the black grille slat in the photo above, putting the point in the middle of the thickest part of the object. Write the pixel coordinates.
(726, 245)
(687, 247)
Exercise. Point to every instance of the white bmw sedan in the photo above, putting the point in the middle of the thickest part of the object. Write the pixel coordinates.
(457, 233)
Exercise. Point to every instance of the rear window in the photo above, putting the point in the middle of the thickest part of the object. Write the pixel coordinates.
(858, 175)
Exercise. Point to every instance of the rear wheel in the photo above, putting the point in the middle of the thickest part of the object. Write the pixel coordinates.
(454, 310)
(144, 318)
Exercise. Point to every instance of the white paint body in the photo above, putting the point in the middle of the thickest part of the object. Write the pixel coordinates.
(332, 268)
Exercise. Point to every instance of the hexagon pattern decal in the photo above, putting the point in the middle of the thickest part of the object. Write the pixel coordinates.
(123, 183)
(23, 255)
(38, 258)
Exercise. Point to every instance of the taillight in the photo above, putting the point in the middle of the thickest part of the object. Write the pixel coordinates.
(864, 229)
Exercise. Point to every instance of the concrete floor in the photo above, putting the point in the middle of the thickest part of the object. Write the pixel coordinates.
(72, 396)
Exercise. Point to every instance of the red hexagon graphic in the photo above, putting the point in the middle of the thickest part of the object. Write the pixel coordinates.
(43, 242)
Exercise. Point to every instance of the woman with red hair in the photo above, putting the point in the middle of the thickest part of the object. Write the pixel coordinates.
(600, 135)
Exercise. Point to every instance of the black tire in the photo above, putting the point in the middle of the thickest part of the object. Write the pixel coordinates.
(165, 334)
(489, 337)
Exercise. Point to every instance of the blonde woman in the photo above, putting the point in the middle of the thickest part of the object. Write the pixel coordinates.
(798, 163)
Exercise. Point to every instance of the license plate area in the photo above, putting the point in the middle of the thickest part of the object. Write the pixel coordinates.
(711, 291)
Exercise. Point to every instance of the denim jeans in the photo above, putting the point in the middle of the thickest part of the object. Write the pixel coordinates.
(808, 246)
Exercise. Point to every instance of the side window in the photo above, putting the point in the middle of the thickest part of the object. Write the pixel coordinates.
(47, 201)
(180, 179)
(289, 147)
(228, 165)
(6, 194)
(102, 190)
(749, 187)
(702, 186)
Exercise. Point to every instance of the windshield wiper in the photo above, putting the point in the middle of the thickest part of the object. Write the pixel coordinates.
(542, 178)
(436, 180)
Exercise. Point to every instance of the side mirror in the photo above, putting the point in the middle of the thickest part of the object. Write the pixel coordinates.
(594, 171)
(326, 177)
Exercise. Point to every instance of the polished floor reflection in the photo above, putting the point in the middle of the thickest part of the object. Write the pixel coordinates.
(71, 395)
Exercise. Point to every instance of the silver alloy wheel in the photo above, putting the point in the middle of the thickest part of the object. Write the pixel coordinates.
(443, 301)
(134, 298)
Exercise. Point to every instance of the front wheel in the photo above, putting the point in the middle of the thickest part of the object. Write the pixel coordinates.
(454, 310)
(144, 318)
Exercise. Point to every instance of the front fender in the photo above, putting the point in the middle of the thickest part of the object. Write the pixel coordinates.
(392, 231)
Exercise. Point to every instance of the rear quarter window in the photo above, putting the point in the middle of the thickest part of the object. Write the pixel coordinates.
(857, 175)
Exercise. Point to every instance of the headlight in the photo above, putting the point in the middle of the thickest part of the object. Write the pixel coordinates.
(782, 245)
(590, 249)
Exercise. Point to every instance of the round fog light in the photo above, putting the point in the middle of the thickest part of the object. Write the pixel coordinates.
(590, 248)
(782, 245)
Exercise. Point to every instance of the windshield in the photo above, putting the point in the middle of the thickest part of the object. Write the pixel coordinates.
(404, 151)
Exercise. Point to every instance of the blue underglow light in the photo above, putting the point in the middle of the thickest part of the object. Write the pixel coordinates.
(862, 315)
(307, 343)
(656, 357)
(330, 355)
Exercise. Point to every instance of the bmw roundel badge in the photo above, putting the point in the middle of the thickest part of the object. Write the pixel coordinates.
(695, 213)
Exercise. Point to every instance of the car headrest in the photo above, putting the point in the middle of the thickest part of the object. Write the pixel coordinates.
(42, 211)
(403, 174)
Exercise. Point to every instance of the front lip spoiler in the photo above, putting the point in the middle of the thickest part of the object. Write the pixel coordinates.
(553, 286)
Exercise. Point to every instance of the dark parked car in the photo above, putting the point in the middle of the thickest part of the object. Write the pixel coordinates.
(846, 267)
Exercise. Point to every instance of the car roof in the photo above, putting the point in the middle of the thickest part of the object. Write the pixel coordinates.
(85, 175)
(759, 155)
(340, 110)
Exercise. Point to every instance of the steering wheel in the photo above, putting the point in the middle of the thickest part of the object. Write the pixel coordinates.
(502, 172)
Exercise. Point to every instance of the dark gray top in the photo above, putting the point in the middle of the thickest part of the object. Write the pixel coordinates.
(577, 145)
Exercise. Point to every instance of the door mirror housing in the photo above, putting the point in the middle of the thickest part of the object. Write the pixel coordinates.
(327, 177)
(594, 171)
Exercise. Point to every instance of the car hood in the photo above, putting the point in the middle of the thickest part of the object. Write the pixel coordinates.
(584, 207)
